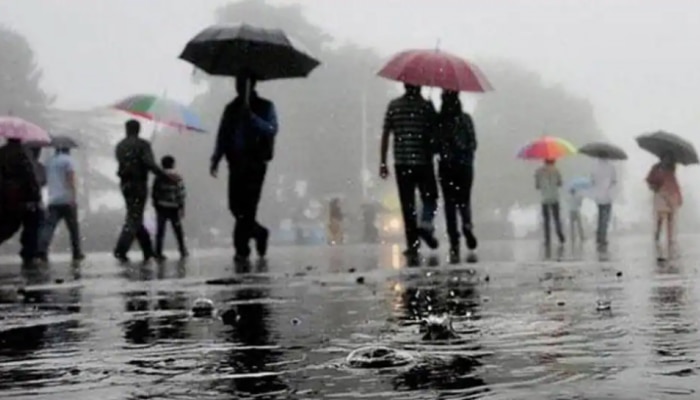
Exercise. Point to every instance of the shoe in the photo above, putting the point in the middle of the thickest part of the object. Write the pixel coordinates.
(472, 243)
(184, 254)
(453, 258)
(261, 243)
(428, 237)
(239, 259)
(79, 257)
(412, 257)
(121, 257)
(472, 257)
(160, 257)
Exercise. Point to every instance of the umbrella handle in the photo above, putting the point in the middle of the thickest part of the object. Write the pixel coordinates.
(246, 95)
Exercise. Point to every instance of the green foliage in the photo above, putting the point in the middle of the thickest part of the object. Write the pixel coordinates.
(21, 94)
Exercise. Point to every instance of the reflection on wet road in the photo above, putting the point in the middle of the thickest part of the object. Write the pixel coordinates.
(522, 325)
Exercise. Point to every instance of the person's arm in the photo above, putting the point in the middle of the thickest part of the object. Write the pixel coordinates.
(220, 144)
(28, 170)
(384, 145)
(182, 196)
(471, 133)
(538, 185)
(433, 128)
(267, 123)
(149, 161)
(560, 182)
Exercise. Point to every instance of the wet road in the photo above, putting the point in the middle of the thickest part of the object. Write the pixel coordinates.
(529, 327)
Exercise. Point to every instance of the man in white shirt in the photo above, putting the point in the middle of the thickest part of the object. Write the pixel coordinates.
(604, 180)
(61, 182)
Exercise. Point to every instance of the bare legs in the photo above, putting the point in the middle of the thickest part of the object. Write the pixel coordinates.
(669, 217)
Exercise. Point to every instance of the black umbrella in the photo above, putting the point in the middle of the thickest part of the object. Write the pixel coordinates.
(667, 144)
(59, 142)
(234, 50)
(603, 150)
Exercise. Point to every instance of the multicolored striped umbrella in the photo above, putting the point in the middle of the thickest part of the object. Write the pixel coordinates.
(547, 148)
(158, 109)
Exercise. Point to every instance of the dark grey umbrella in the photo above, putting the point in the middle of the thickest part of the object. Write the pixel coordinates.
(59, 142)
(233, 50)
(667, 144)
(603, 150)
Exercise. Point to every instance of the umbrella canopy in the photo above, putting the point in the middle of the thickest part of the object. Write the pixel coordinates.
(437, 69)
(663, 143)
(547, 148)
(603, 150)
(579, 183)
(59, 142)
(234, 50)
(17, 128)
(165, 111)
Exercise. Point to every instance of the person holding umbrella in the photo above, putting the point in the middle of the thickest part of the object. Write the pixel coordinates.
(135, 158)
(62, 202)
(604, 183)
(246, 138)
(249, 123)
(548, 179)
(667, 196)
(671, 150)
(411, 119)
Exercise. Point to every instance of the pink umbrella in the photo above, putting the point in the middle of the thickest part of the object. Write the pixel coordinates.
(17, 128)
(437, 69)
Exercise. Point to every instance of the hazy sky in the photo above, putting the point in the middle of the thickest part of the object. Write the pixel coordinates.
(636, 60)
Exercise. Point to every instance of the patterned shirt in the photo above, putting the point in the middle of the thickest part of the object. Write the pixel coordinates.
(411, 119)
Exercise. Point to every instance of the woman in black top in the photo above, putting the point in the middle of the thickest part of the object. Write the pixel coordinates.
(456, 144)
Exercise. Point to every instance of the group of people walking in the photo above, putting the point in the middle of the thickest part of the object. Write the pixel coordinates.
(246, 139)
(420, 134)
(603, 185)
(22, 178)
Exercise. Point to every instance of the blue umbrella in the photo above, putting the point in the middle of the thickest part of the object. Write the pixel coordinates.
(579, 183)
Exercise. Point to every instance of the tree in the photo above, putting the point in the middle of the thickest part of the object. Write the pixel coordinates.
(21, 94)
(521, 108)
(320, 117)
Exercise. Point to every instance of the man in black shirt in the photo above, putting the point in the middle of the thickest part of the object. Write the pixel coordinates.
(246, 138)
(135, 158)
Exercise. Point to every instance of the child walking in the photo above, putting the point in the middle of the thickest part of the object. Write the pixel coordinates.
(169, 202)
(575, 223)
(548, 181)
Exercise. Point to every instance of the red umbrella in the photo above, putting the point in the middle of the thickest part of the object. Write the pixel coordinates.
(435, 68)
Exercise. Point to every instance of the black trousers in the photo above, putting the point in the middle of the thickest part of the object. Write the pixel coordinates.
(409, 179)
(163, 215)
(244, 190)
(56, 213)
(29, 219)
(456, 181)
(135, 195)
(551, 212)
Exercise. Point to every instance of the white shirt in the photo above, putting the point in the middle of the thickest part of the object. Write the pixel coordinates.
(604, 179)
